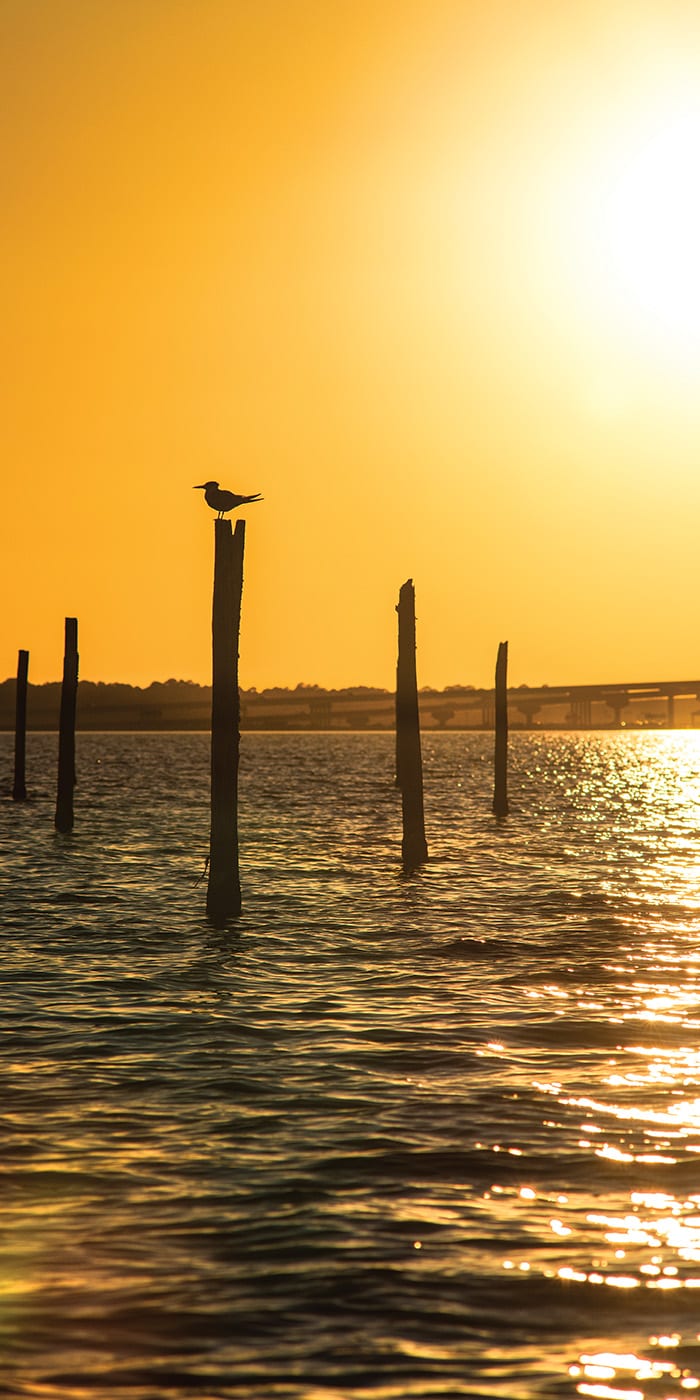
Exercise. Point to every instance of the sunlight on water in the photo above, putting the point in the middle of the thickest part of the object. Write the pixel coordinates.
(385, 1137)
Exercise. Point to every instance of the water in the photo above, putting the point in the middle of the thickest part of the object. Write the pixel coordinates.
(385, 1137)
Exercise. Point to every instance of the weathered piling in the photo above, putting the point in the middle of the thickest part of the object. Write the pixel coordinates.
(66, 729)
(19, 788)
(500, 787)
(224, 889)
(409, 763)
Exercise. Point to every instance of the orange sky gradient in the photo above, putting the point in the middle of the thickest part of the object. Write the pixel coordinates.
(424, 274)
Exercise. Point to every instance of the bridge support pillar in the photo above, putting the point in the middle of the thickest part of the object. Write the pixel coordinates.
(671, 711)
(617, 703)
(528, 709)
(581, 714)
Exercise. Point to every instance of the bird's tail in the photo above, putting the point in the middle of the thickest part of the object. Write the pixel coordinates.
(246, 499)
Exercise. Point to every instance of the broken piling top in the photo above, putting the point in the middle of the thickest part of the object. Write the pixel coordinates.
(66, 733)
(500, 786)
(224, 889)
(409, 762)
(406, 609)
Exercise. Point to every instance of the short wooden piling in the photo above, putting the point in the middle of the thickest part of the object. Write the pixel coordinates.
(66, 732)
(224, 888)
(19, 789)
(500, 788)
(409, 763)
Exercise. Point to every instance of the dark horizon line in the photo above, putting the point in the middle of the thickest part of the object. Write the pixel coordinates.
(457, 686)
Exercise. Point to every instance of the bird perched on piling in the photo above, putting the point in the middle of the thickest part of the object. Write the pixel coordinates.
(223, 501)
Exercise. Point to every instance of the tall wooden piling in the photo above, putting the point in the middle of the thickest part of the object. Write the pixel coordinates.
(224, 889)
(66, 730)
(409, 763)
(19, 789)
(500, 788)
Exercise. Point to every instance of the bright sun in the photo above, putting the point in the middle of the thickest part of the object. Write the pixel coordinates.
(647, 229)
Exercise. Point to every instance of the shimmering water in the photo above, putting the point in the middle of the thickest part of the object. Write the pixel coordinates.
(387, 1137)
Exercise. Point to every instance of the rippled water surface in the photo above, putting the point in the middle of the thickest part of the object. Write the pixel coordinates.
(383, 1137)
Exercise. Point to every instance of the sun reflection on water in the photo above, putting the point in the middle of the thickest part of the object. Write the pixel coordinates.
(627, 1368)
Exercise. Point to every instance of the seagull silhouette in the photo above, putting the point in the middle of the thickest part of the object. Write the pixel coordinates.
(223, 501)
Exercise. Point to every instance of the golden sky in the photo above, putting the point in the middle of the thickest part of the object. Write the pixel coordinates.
(426, 273)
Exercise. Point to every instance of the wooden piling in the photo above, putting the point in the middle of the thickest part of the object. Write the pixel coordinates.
(224, 888)
(500, 789)
(66, 732)
(19, 789)
(409, 763)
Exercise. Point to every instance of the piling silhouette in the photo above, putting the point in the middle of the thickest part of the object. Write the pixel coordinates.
(409, 762)
(224, 887)
(500, 786)
(19, 787)
(66, 731)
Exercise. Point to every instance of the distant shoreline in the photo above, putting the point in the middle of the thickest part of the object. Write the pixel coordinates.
(184, 707)
(549, 728)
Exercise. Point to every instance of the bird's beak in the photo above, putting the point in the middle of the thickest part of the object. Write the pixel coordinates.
(197, 488)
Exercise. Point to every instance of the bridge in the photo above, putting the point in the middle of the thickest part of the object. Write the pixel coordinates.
(529, 701)
(580, 706)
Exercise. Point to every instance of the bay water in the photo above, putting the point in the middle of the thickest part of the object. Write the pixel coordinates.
(383, 1136)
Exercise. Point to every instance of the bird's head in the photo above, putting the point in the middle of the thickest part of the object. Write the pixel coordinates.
(205, 486)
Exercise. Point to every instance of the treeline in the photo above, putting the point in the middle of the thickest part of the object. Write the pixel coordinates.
(171, 704)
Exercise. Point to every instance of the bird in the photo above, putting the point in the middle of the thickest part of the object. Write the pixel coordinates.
(223, 501)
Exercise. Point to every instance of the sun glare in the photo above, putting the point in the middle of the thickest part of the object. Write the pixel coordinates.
(648, 230)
